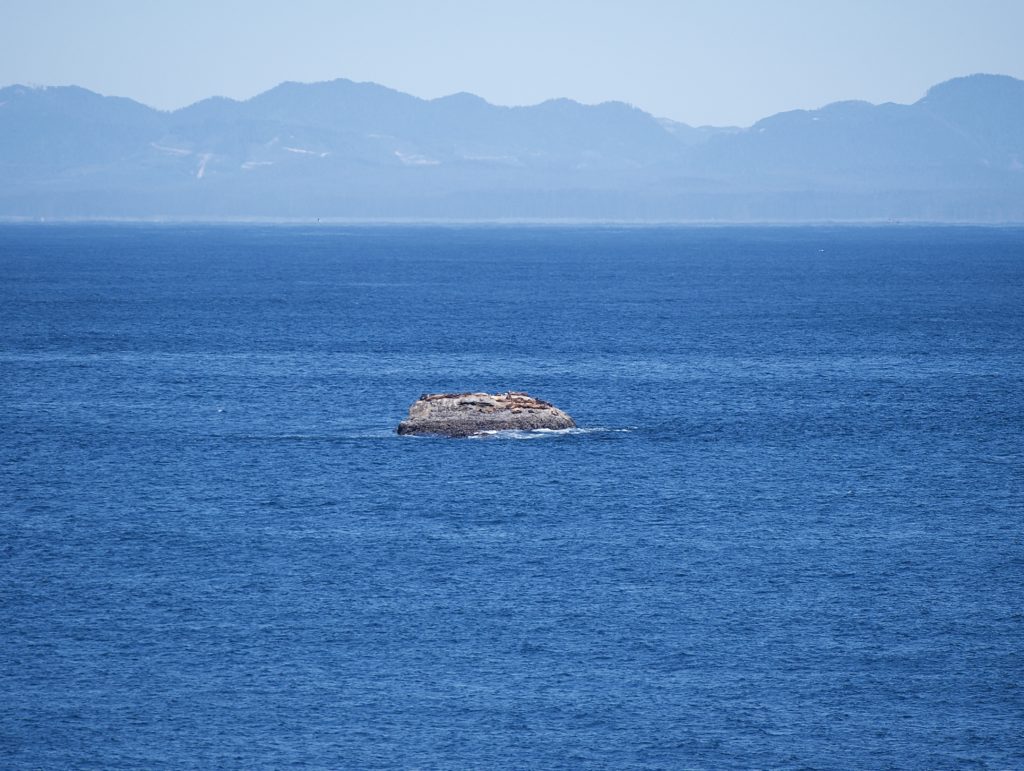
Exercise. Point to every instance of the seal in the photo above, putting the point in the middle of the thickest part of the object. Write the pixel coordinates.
(461, 415)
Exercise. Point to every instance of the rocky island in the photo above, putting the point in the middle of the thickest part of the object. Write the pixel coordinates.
(460, 415)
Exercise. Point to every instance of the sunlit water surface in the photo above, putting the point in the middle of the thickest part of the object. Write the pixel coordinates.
(787, 534)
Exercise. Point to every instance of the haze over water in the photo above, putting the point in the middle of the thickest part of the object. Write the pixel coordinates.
(787, 535)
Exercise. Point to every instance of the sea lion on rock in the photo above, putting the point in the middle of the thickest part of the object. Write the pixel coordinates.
(460, 415)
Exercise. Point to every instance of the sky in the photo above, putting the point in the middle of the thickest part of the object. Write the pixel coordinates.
(724, 62)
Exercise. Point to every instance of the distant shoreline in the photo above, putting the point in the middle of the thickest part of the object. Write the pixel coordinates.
(511, 222)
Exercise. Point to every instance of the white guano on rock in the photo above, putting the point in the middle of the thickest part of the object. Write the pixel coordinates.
(460, 415)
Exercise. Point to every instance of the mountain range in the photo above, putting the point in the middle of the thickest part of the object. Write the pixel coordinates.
(349, 150)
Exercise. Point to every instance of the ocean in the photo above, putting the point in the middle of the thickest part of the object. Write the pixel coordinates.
(787, 532)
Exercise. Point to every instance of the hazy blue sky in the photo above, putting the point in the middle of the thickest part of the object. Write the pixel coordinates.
(698, 62)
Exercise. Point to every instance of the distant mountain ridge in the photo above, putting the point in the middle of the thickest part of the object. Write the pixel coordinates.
(341, 149)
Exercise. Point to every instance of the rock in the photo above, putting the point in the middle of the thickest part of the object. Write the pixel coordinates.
(467, 414)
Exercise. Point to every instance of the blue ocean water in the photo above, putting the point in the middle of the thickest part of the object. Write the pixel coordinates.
(788, 533)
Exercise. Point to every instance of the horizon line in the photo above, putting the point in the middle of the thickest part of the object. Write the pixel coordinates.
(568, 222)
